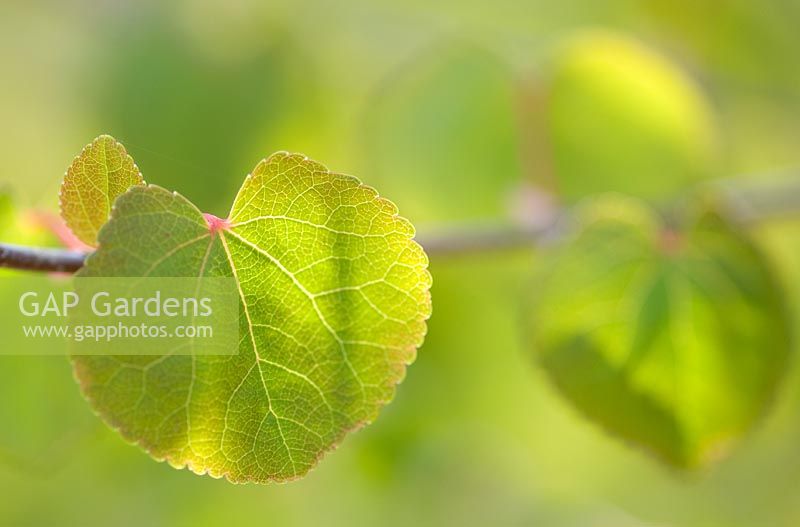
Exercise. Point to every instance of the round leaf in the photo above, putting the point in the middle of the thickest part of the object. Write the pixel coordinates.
(334, 297)
(624, 118)
(446, 126)
(101, 172)
(672, 340)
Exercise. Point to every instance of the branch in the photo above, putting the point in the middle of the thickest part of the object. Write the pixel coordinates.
(40, 259)
(750, 202)
(466, 239)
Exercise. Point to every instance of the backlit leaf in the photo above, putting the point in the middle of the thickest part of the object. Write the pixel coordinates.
(624, 118)
(101, 172)
(445, 125)
(131, 100)
(334, 297)
(672, 339)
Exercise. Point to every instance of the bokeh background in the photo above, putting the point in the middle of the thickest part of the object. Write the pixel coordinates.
(465, 114)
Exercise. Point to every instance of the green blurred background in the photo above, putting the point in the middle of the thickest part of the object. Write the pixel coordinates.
(463, 113)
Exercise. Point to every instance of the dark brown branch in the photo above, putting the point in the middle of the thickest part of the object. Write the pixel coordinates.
(40, 259)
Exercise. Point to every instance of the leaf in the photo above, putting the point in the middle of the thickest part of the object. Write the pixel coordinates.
(672, 340)
(335, 294)
(446, 125)
(289, 107)
(624, 118)
(101, 172)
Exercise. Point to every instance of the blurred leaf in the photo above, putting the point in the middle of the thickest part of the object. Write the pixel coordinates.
(750, 45)
(624, 118)
(334, 301)
(671, 339)
(102, 172)
(441, 135)
(195, 119)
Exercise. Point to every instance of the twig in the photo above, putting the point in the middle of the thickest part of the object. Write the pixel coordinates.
(749, 202)
(40, 259)
(463, 239)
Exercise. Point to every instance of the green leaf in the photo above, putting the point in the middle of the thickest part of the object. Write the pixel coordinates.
(673, 340)
(446, 125)
(334, 299)
(290, 106)
(101, 172)
(624, 118)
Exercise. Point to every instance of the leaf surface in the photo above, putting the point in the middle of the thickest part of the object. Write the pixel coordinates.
(673, 340)
(334, 298)
(446, 125)
(624, 118)
(102, 172)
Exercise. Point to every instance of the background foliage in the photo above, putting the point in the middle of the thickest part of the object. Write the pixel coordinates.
(455, 110)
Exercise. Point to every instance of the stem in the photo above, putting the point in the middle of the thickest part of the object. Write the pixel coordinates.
(748, 203)
(460, 240)
(40, 259)
(480, 239)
